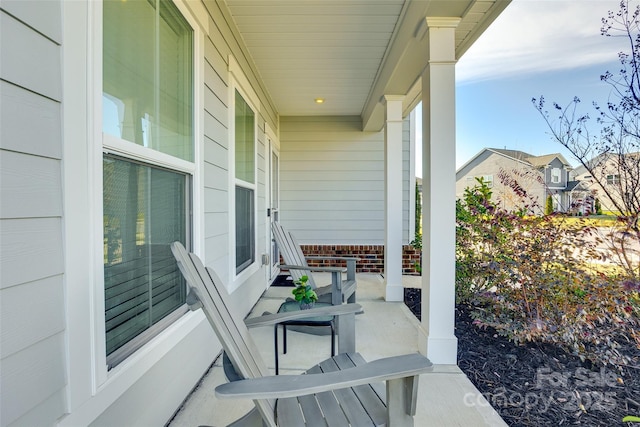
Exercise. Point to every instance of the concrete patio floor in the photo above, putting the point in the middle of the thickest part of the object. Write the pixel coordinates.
(446, 397)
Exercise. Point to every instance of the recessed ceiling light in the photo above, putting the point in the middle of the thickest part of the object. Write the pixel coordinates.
(319, 100)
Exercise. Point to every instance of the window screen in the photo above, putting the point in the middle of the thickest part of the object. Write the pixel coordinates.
(145, 209)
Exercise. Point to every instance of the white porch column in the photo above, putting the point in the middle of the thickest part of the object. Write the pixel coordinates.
(393, 198)
(437, 337)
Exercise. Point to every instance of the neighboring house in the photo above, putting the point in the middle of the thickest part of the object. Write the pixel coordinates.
(605, 167)
(581, 199)
(126, 125)
(539, 176)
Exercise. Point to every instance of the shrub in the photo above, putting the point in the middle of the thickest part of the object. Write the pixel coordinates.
(548, 209)
(527, 277)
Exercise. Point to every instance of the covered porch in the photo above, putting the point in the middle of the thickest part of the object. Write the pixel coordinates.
(250, 111)
(446, 397)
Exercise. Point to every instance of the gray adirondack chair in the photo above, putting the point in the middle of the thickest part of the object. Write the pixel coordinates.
(295, 261)
(342, 391)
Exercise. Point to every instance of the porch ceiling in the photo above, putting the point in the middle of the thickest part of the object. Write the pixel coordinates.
(348, 52)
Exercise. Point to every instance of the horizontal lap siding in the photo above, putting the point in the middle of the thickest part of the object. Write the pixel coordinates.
(407, 209)
(32, 290)
(219, 44)
(491, 163)
(216, 154)
(332, 180)
(32, 356)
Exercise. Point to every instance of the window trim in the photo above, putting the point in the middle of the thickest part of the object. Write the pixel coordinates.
(247, 264)
(239, 82)
(137, 342)
(613, 179)
(140, 359)
(487, 179)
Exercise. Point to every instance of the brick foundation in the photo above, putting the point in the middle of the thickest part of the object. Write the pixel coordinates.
(371, 257)
(410, 258)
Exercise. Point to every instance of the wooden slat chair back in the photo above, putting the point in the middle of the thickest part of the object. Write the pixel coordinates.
(230, 329)
(296, 262)
(292, 253)
(342, 391)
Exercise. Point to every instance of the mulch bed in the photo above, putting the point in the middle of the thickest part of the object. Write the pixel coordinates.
(542, 385)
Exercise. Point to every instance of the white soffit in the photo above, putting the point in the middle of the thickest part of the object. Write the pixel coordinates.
(336, 49)
(307, 49)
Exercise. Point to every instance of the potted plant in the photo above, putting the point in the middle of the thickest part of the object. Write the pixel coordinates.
(304, 294)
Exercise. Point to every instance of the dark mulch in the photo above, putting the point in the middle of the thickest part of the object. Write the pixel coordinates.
(542, 385)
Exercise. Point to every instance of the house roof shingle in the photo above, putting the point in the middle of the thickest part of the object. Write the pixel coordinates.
(516, 154)
(540, 161)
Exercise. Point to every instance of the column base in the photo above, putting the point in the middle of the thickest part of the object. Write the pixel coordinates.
(441, 351)
(394, 293)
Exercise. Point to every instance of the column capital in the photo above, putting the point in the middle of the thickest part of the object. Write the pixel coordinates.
(393, 110)
(442, 22)
(431, 22)
(390, 98)
(442, 39)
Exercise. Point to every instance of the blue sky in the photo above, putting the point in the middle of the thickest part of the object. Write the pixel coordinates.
(535, 47)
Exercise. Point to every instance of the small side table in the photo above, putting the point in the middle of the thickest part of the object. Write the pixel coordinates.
(323, 321)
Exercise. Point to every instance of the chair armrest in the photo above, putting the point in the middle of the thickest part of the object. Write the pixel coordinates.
(310, 268)
(282, 386)
(272, 319)
(339, 258)
(351, 263)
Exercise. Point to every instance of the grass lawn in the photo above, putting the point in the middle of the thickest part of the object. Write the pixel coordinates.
(592, 220)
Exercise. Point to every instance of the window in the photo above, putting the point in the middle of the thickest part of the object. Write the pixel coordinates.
(148, 139)
(556, 175)
(148, 83)
(486, 179)
(245, 149)
(145, 209)
(613, 179)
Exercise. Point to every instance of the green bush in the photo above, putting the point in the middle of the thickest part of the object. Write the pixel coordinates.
(527, 277)
(548, 208)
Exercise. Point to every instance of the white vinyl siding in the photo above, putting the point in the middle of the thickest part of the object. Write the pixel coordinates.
(218, 213)
(50, 375)
(332, 180)
(32, 344)
(408, 184)
(489, 165)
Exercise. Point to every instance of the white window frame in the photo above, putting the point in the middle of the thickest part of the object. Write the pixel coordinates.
(139, 361)
(556, 175)
(488, 179)
(239, 82)
(613, 179)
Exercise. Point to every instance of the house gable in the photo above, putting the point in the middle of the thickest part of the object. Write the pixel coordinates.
(536, 174)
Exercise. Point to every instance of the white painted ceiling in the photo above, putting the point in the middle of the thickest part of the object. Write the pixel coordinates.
(348, 52)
